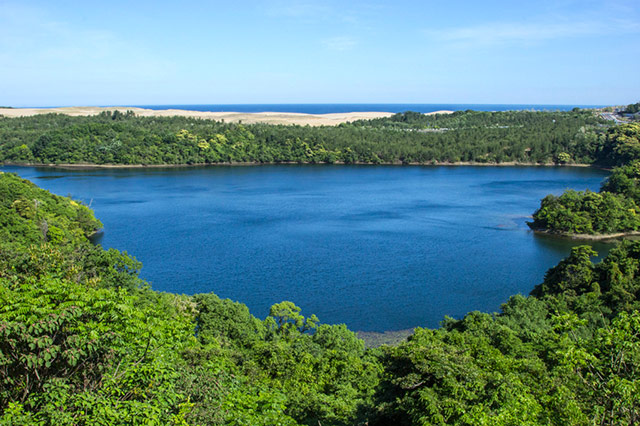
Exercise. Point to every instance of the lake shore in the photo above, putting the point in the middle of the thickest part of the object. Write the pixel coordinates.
(283, 118)
(590, 237)
(375, 339)
(251, 164)
(413, 219)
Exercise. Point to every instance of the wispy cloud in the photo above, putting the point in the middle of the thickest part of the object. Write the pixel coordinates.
(340, 44)
(505, 33)
(326, 11)
(299, 9)
(324, 18)
(31, 38)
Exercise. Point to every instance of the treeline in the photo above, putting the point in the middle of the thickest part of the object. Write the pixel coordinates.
(84, 341)
(470, 136)
(632, 108)
(615, 209)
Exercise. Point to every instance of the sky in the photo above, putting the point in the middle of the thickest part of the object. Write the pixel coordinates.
(63, 53)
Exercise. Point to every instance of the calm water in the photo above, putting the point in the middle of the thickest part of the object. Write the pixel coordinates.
(375, 247)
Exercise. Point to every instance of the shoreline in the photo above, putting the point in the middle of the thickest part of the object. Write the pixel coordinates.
(589, 237)
(375, 339)
(274, 118)
(285, 163)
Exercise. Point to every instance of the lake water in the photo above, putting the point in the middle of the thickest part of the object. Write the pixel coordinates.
(375, 247)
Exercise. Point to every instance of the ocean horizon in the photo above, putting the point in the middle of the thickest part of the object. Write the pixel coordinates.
(355, 107)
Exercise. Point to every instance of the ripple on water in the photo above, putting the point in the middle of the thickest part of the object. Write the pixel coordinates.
(378, 248)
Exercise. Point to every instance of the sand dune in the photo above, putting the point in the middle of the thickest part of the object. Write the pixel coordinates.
(233, 117)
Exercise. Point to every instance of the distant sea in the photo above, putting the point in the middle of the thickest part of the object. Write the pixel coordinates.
(340, 108)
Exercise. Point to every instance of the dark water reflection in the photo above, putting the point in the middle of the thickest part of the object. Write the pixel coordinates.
(378, 248)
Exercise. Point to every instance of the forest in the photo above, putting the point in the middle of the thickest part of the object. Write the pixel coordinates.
(615, 208)
(528, 137)
(85, 341)
(632, 108)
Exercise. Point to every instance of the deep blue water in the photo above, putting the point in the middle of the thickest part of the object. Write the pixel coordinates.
(375, 247)
(340, 108)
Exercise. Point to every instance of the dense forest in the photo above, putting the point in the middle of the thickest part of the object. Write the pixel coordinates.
(465, 136)
(632, 108)
(615, 209)
(84, 341)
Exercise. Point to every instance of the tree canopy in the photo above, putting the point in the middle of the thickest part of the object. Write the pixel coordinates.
(615, 208)
(83, 340)
(410, 137)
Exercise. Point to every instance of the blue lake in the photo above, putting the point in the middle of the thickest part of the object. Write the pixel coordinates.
(376, 247)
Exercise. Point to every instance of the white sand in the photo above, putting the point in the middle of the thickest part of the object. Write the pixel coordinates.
(232, 117)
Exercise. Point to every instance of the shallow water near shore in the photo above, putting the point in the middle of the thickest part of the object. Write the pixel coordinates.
(376, 247)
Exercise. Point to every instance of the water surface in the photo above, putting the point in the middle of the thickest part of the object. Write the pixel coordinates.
(375, 247)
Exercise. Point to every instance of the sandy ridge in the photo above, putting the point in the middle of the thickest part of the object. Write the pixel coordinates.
(232, 117)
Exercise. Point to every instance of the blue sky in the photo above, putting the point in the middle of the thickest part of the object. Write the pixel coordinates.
(116, 52)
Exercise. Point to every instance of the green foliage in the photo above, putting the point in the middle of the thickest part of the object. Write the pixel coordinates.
(572, 277)
(633, 108)
(606, 368)
(44, 234)
(563, 158)
(621, 146)
(568, 354)
(80, 330)
(604, 289)
(586, 213)
(320, 373)
(460, 377)
(615, 208)
(285, 320)
(33, 215)
(410, 137)
(84, 341)
(226, 322)
(95, 352)
(625, 180)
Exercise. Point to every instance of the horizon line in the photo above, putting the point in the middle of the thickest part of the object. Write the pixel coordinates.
(141, 105)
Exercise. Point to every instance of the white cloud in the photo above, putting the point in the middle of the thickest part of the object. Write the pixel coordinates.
(340, 44)
(33, 41)
(298, 9)
(504, 33)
